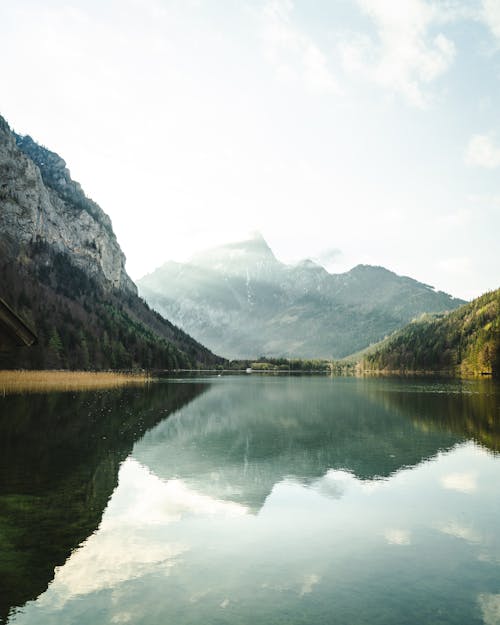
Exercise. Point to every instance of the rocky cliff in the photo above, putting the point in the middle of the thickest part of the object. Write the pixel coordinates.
(64, 273)
(40, 202)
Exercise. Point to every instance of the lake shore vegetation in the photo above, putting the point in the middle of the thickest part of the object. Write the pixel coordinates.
(12, 381)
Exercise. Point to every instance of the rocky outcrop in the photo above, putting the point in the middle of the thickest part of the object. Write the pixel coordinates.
(39, 202)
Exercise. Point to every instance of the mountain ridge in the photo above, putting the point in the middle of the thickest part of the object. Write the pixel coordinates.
(242, 301)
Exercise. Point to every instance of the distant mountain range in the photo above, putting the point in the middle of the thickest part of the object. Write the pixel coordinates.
(240, 301)
(464, 342)
(63, 271)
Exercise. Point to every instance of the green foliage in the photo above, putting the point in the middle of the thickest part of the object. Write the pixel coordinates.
(80, 325)
(55, 343)
(466, 341)
(292, 365)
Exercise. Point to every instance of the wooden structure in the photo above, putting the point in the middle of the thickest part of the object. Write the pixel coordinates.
(13, 330)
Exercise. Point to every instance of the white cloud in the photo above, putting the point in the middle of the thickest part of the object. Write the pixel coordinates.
(122, 617)
(490, 607)
(294, 55)
(485, 200)
(491, 16)
(461, 482)
(103, 563)
(310, 581)
(407, 56)
(456, 219)
(140, 501)
(482, 152)
(397, 537)
(455, 265)
(453, 528)
(335, 483)
(329, 256)
(160, 502)
(451, 10)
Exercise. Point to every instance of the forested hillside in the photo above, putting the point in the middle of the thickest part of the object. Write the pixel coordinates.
(63, 271)
(79, 325)
(465, 341)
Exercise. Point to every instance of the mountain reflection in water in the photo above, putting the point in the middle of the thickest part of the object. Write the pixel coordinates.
(240, 439)
(60, 454)
(263, 500)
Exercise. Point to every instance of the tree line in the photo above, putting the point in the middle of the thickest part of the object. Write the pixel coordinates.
(466, 342)
(82, 325)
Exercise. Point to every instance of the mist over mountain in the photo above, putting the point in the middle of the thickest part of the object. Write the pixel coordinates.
(63, 272)
(241, 301)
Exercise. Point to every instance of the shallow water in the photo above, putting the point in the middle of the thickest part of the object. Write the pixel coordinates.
(252, 500)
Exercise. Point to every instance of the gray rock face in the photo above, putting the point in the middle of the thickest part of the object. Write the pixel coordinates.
(242, 302)
(39, 202)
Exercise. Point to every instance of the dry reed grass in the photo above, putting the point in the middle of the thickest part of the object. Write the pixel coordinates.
(45, 381)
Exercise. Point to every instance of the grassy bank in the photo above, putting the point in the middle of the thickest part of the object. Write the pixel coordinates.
(40, 381)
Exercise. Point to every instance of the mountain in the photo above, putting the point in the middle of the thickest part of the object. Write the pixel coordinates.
(241, 301)
(63, 272)
(465, 341)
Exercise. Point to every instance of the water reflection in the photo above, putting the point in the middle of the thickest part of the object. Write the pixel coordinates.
(469, 408)
(389, 551)
(294, 501)
(127, 545)
(60, 454)
(241, 438)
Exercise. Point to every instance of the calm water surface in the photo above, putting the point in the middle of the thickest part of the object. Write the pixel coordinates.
(252, 500)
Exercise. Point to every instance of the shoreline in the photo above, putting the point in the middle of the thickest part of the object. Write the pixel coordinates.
(39, 381)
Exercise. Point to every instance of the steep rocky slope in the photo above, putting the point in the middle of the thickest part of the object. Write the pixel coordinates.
(64, 272)
(241, 301)
(40, 202)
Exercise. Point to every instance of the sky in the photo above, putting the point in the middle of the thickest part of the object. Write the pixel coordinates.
(347, 131)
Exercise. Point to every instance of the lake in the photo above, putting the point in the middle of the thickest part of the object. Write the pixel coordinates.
(252, 500)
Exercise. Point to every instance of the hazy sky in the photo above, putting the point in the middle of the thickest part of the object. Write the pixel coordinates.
(354, 131)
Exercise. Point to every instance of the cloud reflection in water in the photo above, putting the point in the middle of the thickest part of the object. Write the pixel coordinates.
(123, 548)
